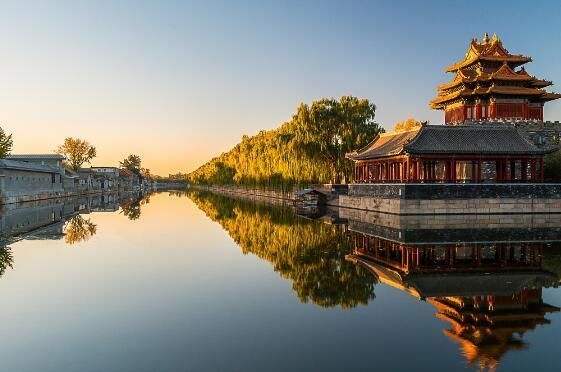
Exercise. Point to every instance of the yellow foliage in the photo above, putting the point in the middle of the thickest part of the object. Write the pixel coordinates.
(407, 125)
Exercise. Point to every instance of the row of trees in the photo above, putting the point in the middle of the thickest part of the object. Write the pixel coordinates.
(310, 148)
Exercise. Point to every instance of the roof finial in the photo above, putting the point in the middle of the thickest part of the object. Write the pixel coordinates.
(495, 38)
(486, 38)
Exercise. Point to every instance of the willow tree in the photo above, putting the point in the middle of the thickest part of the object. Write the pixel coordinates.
(310, 148)
(331, 128)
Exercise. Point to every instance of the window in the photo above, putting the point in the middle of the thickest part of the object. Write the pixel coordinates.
(53, 180)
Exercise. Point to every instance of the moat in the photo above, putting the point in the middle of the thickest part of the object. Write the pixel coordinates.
(188, 280)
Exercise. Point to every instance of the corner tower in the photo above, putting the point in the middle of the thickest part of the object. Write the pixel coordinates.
(492, 84)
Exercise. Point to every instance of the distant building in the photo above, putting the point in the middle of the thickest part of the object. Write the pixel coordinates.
(110, 175)
(128, 181)
(20, 180)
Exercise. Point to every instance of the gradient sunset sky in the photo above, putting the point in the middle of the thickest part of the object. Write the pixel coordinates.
(178, 82)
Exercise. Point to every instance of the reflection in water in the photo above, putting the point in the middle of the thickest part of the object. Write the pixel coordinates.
(130, 207)
(57, 218)
(78, 229)
(489, 292)
(482, 275)
(6, 259)
(310, 254)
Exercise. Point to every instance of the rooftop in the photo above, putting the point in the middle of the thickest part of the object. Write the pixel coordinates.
(35, 157)
(480, 139)
(25, 166)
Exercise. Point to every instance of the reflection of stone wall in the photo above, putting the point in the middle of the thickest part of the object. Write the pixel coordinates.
(15, 221)
(453, 221)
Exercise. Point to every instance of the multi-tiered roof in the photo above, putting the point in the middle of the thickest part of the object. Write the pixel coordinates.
(491, 84)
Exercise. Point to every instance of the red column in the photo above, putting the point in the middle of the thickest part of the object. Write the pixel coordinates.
(407, 175)
(533, 170)
(526, 111)
(524, 170)
(453, 171)
(477, 114)
(493, 108)
(541, 170)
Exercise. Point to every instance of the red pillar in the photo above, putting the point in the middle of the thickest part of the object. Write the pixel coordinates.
(533, 170)
(477, 114)
(541, 170)
(453, 171)
(524, 170)
(493, 108)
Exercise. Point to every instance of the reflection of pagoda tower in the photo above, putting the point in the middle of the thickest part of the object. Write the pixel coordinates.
(486, 327)
(491, 293)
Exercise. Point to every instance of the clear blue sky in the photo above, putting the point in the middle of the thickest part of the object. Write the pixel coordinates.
(178, 82)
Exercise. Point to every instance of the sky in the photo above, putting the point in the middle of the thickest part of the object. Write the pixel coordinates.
(179, 82)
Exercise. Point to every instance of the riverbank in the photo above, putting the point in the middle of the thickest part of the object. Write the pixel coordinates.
(423, 199)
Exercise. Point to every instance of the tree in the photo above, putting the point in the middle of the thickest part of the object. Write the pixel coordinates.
(552, 167)
(310, 148)
(333, 128)
(132, 163)
(408, 124)
(77, 152)
(6, 143)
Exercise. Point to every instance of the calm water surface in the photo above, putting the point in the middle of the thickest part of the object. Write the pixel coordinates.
(186, 281)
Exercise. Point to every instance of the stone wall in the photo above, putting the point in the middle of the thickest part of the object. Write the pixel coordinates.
(458, 191)
(454, 198)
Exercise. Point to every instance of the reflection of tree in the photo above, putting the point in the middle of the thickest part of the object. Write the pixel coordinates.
(6, 259)
(178, 193)
(310, 254)
(78, 229)
(131, 210)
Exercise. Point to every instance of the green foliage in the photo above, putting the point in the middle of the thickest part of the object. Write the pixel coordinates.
(132, 163)
(310, 148)
(309, 253)
(552, 167)
(6, 143)
(77, 152)
(6, 259)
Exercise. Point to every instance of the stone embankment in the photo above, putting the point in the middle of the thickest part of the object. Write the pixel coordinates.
(454, 198)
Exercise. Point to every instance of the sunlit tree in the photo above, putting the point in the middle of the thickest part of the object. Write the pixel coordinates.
(6, 143)
(77, 152)
(78, 229)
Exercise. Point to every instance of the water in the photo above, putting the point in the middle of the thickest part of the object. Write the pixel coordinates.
(193, 281)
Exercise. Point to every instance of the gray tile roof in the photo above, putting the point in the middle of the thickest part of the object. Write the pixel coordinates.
(35, 157)
(489, 140)
(25, 166)
(385, 144)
